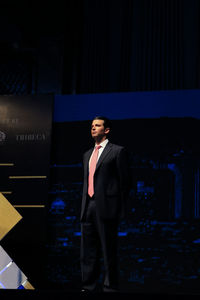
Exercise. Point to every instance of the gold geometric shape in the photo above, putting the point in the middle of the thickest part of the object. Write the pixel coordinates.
(9, 216)
(28, 286)
(27, 177)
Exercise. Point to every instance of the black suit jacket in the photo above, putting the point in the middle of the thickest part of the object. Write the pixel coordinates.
(111, 182)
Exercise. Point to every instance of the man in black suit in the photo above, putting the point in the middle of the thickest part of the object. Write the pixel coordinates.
(105, 192)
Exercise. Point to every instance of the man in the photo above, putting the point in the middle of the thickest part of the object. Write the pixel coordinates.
(105, 191)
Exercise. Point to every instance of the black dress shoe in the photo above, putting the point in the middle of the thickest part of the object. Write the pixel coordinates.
(109, 289)
(86, 291)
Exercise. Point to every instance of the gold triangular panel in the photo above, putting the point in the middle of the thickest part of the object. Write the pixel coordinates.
(9, 216)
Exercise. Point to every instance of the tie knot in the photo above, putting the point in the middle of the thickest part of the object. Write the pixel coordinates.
(97, 147)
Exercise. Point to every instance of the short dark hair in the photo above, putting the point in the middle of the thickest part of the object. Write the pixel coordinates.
(107, 122)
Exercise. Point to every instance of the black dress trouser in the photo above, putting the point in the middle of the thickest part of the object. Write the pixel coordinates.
(98, 236)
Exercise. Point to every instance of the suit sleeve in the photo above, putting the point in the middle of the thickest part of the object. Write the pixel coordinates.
(124, 179)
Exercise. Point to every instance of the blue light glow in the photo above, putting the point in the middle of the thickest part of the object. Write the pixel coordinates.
(122, 233)
(2, 285)
(21, 287)
(4, 269)
(77, 233)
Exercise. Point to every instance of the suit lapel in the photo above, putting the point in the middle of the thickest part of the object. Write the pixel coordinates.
(103, 154)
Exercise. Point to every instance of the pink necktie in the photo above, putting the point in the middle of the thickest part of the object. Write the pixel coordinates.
(93, 163)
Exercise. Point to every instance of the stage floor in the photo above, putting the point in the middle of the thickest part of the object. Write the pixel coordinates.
(66, 294)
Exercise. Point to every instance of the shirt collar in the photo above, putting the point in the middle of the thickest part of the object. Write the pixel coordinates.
(103, 144)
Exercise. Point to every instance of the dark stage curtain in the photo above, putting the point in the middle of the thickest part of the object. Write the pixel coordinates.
(117, 46)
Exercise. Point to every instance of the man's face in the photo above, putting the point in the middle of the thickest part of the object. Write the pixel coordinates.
(97, 129)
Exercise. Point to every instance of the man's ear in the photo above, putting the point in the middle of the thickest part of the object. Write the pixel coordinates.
(107, 130)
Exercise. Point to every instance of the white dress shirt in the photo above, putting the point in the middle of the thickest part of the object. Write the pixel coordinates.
(103, 145)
